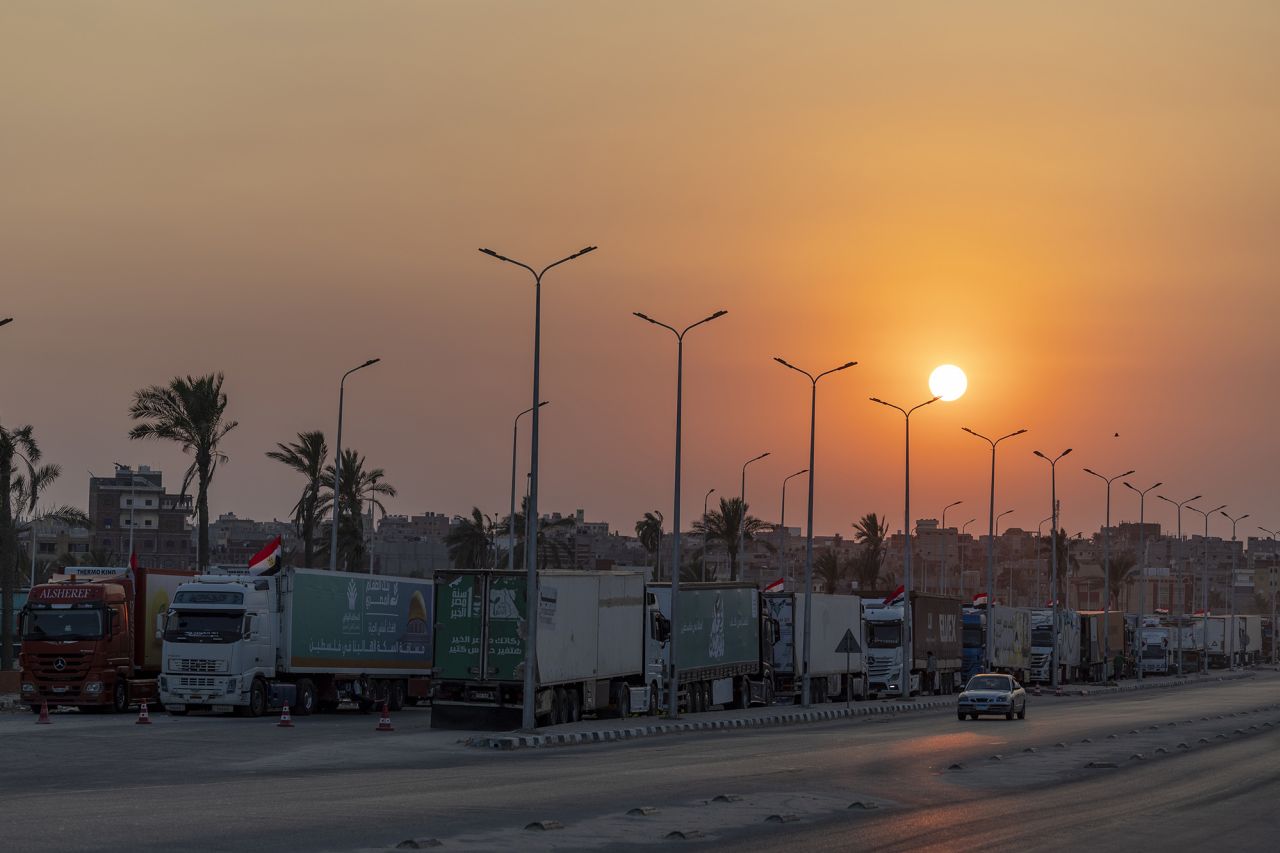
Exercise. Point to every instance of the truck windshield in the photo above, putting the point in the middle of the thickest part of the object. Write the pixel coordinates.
(1155, 652)
(884, 635)
(62, 624)
(972, 636)
(1042, 637)
(203, 627)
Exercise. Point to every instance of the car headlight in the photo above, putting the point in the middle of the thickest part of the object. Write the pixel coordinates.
(28, 687)
(93, 687)
(964, 696)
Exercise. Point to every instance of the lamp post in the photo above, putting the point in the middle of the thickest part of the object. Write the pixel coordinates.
(997, 531)
(1271, 584)
(1039, 541)
(742, 522)
(1181, 585)
(531, 511)
(782, 525)
(991, 532)
(337, 464)
(511, 517)
(1142, 549)
(133, 501)
(1204, 581)
(705, 498)
(6, 321)
(1053, 546)
(673, 709)
(808, 533)
(942, 570)
(961, 549)
(1106, 567)
(907, 659)
(1231, 594)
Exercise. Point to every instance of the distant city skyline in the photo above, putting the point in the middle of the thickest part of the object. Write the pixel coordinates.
(1085, 229)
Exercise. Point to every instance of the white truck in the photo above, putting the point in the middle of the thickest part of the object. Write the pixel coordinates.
(1043, 639)
(1216, 642)
(1155, 651)
(833, 675)
(303, 637)
(937, 650)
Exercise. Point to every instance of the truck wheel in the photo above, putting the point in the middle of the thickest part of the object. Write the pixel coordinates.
(557, 706)
(654, 708)
(120, 697)
(742, 694)
(574, 706)
(304, 698)
(257, 699)
(623, 701)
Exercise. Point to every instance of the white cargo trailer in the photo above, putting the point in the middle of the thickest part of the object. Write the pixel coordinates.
(833, 674)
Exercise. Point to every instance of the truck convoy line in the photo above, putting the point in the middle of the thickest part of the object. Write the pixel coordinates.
(309, 638)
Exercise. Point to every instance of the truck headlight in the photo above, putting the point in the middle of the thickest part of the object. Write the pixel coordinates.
(93, 687)
(28, 687)
(164, 683)
(232, 684)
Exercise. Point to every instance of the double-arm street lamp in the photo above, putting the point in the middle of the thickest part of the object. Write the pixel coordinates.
(337, 465)
(1142, 549)
(907, 659)
(511, 518)
(673, 706)
(942, 571)
(1231, 594)
(991, 534)
(782, 525)
(1106, 566)
(1204, 582)
(528, 721)
(742, 521)
(1181, 586)
(808, 533)
(1053, 545)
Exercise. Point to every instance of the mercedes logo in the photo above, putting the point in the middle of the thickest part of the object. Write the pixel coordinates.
(60, 664)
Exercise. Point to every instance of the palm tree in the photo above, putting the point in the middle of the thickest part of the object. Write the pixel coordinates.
(724, 524)
(307, 456)
(553, 550)
(871, 532)
(470, 541)
(1121, 565)
(358, 488)
(27, 491)
(649, 532)
(830, 569)
(16, 445)
(190, 411)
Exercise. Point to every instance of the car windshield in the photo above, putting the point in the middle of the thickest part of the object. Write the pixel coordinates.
(884, 635)
(62, 624)
(989, 682)
(202, 627)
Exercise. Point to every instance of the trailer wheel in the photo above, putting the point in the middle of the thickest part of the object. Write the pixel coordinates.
(742, 694)
(623, 701)
(304, 698)
(654, 710)
(575, 705)
(557, 706)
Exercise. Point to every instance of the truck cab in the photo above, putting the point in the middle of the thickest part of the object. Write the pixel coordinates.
(220, 645)
(1154, 649)
(974, 642)
(77, 644)
(883, 650)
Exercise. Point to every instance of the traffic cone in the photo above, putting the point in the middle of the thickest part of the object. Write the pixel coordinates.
(1059, 692)
(384, 721)
(44, 714)
(286, 722)
(144, 719)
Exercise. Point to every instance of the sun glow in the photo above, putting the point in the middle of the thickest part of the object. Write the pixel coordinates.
(948, 382)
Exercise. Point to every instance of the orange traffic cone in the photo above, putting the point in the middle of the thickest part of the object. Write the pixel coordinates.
(144, 719)
(384, 721)
(44, 714)
(286, 722)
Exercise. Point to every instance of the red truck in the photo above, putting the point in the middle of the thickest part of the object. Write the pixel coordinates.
(89, 640)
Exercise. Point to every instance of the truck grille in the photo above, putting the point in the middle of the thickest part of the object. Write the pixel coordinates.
(879, 668)
(193, 682)
(59, 666)
(196, 665)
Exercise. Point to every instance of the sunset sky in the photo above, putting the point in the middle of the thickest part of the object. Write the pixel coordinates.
(1079, 207)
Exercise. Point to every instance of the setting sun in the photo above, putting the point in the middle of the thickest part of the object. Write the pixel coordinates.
(948, 382)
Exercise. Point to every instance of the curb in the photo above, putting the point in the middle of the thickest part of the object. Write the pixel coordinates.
(776, 720)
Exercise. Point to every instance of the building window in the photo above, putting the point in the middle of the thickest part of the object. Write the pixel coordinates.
(106, 522)
(148, 522)
(148, 502)
(128, 501)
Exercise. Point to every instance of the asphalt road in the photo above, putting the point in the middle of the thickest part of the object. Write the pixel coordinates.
(334, 784)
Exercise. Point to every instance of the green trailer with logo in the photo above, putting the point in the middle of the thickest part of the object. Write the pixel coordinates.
(590, 646)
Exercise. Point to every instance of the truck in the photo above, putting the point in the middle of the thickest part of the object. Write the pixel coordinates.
(833, 674)
(1062, 645)
(1216, 641)
(937, 653)
(603, 647)
(1095, 663)
(88, 638)
(1249, 646)
(1011, 642)
(306, 638)
(1155, 649)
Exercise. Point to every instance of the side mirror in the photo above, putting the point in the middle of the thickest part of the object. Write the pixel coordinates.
(247, 630)
(660, 629)
(162, 625)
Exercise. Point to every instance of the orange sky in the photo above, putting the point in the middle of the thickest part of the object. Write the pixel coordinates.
(1077, 206)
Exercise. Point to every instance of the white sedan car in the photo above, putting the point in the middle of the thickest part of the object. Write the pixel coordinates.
(992, 693)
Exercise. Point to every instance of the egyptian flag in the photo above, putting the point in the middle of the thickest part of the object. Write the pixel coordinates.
(896, 597)
(133, 561)
(267, 560)
(776, 586)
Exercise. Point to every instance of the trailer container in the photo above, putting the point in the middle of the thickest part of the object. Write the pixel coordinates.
(832, 674)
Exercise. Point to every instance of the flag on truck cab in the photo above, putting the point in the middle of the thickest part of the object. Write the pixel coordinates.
(896, 597)
(1201, 613)
(267, 558)
(776, 586)
(980, 599)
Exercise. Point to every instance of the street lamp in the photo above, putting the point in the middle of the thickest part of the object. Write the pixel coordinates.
(1204, 581)
(998, 517)
(991, 532)
(808, 533)
(1039, 542)
(1182, 592)
(673, 708)
(133, 482)
(942, 571)
(705, 498)
(337, 464)
(782, 525)
(1106, 566)
(961, 549)
(6, 321)
(1231, 595)
(1142, 549)
(511, 518)
(906, 551)
(1275, 646)
(1053, 546)
(531, 511)
(742, 521)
